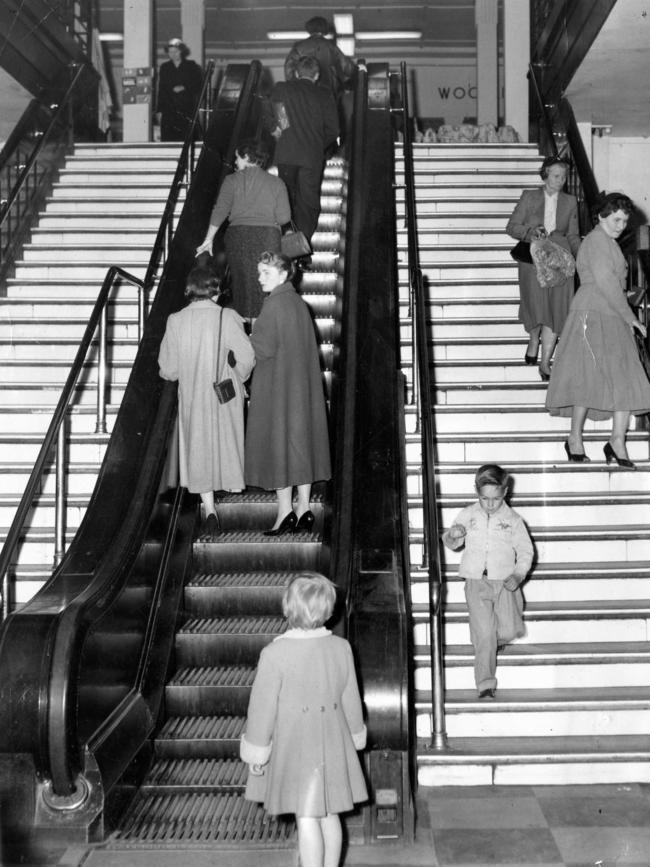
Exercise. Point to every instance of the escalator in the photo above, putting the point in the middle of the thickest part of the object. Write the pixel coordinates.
(126, 679)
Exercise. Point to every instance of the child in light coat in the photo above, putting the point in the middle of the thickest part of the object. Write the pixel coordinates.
(497, 556)
(305, 724)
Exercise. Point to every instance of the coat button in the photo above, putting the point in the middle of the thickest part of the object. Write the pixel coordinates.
(322, 709)
(305, 709)
(335, 705)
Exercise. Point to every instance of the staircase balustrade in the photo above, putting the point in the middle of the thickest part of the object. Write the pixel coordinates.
(426, 428)
(98, 322)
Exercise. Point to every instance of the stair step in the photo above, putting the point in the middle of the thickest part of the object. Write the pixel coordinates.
(195, 775)
(200, 737)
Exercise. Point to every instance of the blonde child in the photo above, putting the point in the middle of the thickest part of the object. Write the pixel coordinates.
(305, 724)
(498, 554)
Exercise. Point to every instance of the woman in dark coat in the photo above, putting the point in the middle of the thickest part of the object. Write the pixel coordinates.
(543, 312)
(287, 440)
(179, 85)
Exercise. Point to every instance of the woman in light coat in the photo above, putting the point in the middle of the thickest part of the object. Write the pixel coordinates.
(211, 434)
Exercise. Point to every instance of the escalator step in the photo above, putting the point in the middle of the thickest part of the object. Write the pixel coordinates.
(241, 579)
(234, 626)
(202, 728)
(193, 775)
(198, 818)
(214, 676)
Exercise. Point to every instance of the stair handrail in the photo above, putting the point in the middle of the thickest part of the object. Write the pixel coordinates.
(10, 205)
(56, 431)
(426, 429)
(98, 319)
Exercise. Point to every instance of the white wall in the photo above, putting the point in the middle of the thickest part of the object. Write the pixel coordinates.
(623, 164)
(14, 99)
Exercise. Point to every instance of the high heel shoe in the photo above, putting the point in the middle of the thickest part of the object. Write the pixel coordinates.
(543, 375)
(573, 456)
(286, 525)
(305, 522)
(610, 455)
(530, 359)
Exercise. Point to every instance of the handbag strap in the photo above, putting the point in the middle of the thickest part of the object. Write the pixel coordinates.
(216, 379)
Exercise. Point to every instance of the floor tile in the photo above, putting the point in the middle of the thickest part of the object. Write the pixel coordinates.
(530, 846)
(623, 846)
(603, 811)
(507, 811)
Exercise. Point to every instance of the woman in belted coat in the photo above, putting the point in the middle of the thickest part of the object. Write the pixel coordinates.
(287, 439)
(543, 312)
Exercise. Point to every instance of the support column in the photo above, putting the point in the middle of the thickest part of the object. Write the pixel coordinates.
(138, 55)
(486, 14)
(193, 28)
(516, 57)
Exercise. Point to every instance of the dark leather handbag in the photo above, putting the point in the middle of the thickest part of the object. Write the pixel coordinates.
(294, 244)
(521, 252)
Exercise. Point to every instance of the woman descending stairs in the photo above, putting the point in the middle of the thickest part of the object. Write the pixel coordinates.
(192, 794)
(105, 209)
(573, 701)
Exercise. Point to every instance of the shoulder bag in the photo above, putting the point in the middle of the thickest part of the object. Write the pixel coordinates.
(225, 390)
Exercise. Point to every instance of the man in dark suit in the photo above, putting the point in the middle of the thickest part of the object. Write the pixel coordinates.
(305, 124)
(336, 70)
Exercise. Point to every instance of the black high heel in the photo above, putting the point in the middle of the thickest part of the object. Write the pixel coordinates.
(305, 522)
(287, 525)
(530, 359)
(573, 456)
(544, 376)
(610, 455)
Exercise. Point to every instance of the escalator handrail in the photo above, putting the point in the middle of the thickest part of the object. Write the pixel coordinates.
(62, 749)
(426, 428)
(44, 455)
(14, 194)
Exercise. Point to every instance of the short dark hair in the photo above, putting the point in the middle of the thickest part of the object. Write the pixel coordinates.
(202, 282)
(491, 474)
(279, 261)
(254, 151)
(317, 24)
(609, 203)
(553, 161)
(307, 67)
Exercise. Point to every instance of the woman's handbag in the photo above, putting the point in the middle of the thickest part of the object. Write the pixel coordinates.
(554, 265)
(294, 244)
(225, 390)
(521, 252)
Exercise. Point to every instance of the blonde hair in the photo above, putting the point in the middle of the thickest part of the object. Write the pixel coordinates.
(309, 600)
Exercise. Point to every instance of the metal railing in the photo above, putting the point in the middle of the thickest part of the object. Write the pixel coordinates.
(426, 428)
(98, 321)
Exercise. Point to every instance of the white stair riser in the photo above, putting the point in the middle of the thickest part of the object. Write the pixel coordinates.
(103, 256)
(446, 308)
(59, 330)
(48, 373)
(525, 177)
(584, 550)
(508, 420)
(122, 193)
(33, 550)
(595, 676)
(60, 222)
(42, 517)
(453, 396)
(85, 293)
(84, 395)
(453, 270)
(566, 590)
(445, 329)
(476, 190)
(92, 237)
(440, 205)
(488, 375)
(549, 773)
(587, 481)
(556, 515)
(512, 350)
(573, 630)
(24, 590)
(86, 271)
(122, 352)
(477, 453)
(76, 484)
(162, 164)
(124, 207)
(125, 310)
(464, 255)
(541, 723)
(444, 292)
(154, 176)
(425, 165)
(462, 224)
(78, 452)
(111, 151)
(470, 150)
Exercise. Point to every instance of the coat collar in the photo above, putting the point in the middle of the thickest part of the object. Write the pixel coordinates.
(299, 634)
(282, 289)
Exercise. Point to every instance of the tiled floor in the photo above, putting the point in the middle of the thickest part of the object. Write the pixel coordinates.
(510, 826)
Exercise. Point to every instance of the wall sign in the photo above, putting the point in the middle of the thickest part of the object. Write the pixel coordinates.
(137, 85)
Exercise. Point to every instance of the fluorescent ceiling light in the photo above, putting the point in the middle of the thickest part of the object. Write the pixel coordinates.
(111, 37)
(293, 35)
(396, 35)
(343, 25)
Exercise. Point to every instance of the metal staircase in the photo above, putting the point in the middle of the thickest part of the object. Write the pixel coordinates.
(573, 704)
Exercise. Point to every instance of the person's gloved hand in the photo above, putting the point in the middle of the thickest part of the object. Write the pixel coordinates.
(511, 582)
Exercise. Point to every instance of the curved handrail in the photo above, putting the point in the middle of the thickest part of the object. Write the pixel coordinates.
(43, 458)
(426, 427)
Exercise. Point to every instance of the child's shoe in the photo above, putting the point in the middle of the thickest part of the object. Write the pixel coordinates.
(487, 693)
